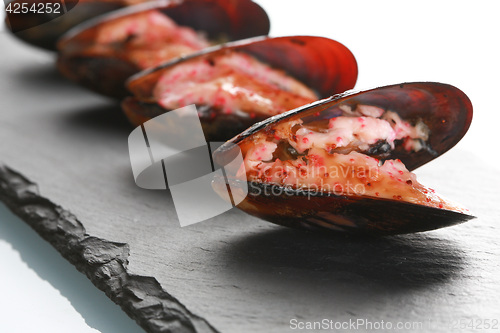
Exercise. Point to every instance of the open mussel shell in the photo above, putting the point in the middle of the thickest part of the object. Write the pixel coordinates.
(43, 29)
(105, 71)
(445, 110)
(324, 65)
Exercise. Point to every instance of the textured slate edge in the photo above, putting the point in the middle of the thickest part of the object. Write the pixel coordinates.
(104, 262)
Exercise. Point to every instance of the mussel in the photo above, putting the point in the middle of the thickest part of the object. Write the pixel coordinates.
(343, 163)
(102, 53)
(42, 28)
(241, 83)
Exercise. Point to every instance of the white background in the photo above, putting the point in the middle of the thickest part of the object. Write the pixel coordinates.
(454, 42)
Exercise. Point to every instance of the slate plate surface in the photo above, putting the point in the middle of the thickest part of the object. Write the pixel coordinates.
(66, 172)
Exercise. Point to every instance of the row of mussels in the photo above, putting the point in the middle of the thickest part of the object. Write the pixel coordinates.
(331, 163)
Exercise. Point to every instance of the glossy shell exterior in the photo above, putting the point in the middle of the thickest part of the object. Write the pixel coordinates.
(325, 65)
(445, 110)
(45, 31)
(107, 73)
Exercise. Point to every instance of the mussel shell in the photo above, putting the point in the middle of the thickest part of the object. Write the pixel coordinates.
(325, 65)
(107, 73)
(445, 110)
(46, 30)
